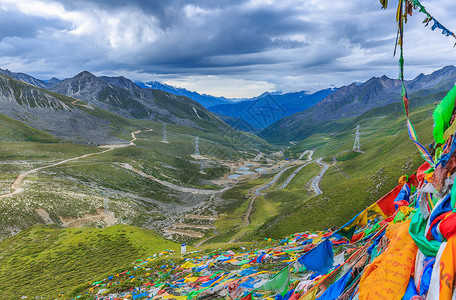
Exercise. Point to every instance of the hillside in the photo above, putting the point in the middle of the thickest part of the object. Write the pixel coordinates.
(388, 241)
(269, 108)
(238, 123)
(352, 181)
(43, 261)
(354, 100)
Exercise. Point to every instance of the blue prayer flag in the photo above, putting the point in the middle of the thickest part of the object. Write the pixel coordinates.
(320, 259)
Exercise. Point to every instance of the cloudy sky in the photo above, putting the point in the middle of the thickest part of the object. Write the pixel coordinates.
(231, 48)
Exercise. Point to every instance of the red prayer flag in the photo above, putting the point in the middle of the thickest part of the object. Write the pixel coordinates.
(386, 202)
(420, 172)
(248, 297)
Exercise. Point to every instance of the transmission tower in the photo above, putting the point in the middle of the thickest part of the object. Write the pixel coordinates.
(197, 151)
(356, 145)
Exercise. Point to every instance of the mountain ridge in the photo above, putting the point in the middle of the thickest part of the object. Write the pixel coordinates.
(122, 96)
(30, 79)
(353, 100)
(263, 111)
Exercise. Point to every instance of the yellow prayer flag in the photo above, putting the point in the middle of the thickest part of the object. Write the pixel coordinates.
(188, 265)
(309, 295)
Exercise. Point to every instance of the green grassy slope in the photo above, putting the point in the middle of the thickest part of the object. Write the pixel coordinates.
(43, 261)
(13, 130)
(360, 178)
(83, 186)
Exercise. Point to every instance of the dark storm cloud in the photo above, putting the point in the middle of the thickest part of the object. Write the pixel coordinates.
(168, 12)
(17, 24)
(283, 44)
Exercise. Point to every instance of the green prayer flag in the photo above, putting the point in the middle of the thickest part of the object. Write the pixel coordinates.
(278, 283)
(417, 232)
(400, 216)
(442, 115)
(371, 230)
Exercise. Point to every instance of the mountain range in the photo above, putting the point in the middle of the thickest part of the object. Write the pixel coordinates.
(355, 99)
(203, 99)
(268, 108)
(280, 117)
(45, 84)
(83, 108)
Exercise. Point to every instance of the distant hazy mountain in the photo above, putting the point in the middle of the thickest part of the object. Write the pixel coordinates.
(270, 107)
(355, 99)
(120, 95)
(203, 99)
(239, 124)
(45, 84)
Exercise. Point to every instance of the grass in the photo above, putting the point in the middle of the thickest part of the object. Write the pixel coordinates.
(78, 187)
(232, 213)
(43, 261)
(13, 130)
(360, 179)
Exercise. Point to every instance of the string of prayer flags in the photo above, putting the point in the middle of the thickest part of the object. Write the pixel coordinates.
(349, 229)
(417, 5)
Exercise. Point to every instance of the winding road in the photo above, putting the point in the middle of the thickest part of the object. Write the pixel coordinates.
(290, 178)
(310, 155)
(316, 180)
(257, 192)
(171, 185)
(16, 187)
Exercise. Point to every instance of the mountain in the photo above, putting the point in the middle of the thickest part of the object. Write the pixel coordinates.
(45, 84)
(123, 97)
(203, 99)
(265, 110)
(53, 113)
(356, 99)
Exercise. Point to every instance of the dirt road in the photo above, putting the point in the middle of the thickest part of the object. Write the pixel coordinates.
(172, 185)
(16, 187)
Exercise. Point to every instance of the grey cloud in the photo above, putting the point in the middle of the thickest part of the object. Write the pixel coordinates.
(226, 38)
(17, 24)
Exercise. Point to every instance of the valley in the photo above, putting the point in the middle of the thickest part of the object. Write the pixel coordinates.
(195, 180)
(235, 150)
(146, 182)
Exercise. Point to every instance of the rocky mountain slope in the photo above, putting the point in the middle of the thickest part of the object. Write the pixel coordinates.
(125, 98)
(30, 79)
(54, 113)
